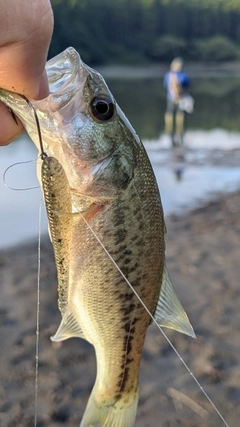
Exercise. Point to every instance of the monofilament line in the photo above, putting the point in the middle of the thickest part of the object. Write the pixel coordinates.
(155, 322)
(12, 166)
(42, 156)
(38, 314)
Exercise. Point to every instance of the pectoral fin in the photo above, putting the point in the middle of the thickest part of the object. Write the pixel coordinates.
(169, 312)
(68, 328)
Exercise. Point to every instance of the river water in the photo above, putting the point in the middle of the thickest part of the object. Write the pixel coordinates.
(201, 169)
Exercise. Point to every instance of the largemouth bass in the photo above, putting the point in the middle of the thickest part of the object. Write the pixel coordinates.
(107, 229)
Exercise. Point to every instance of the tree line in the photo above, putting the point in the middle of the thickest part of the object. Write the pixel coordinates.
(147, 31)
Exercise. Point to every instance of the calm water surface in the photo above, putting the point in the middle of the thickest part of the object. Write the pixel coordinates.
(217, 104)
(211, 130)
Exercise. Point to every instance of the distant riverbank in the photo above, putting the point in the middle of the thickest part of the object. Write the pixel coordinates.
(195, 70)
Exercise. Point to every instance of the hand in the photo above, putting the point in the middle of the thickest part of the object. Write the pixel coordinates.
(25, 34)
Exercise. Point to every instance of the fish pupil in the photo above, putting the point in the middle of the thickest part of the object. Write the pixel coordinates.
(102, 108)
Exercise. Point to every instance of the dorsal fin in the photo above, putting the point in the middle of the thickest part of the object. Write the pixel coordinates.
(169, 312)
(68, 328)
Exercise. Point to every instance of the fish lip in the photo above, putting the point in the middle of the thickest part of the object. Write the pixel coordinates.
(64, 73)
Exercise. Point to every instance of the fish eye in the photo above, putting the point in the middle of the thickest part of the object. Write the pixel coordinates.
(102, 108)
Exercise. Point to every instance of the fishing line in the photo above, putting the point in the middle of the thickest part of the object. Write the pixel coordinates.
(15, 188)
(38, 315)
(155, 322)
(43, 155)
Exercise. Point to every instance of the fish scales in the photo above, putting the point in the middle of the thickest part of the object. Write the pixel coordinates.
(106, 222)
(138, 257)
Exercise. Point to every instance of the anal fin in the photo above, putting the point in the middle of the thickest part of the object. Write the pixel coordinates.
(68, 328)
(170, 312)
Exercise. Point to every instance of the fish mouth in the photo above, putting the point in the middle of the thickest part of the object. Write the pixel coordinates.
(65, 72)
(67, 76)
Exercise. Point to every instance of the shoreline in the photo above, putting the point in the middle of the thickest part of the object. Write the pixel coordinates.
(152, 71)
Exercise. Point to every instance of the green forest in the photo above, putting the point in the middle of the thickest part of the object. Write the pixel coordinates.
(147, 31)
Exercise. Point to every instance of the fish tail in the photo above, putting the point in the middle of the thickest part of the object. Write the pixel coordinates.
(120, 413)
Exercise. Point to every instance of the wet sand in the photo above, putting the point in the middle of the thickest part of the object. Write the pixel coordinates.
(203, 256)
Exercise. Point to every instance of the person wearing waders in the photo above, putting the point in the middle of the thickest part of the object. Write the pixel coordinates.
(175, 81)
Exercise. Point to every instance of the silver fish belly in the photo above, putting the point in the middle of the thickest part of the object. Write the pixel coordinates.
(107, 228)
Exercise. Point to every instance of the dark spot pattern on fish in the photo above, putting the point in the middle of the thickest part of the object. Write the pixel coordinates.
(124, 378)
(127, 310)
(118, 396)
(134, 238)
(126, 359)
(134, 321)
(118, 220)
(135, 283)
(127, 269)
(128, 252)
(136, 211)
(129, 346)
(119, 237)
(127, 296)
(126, 327)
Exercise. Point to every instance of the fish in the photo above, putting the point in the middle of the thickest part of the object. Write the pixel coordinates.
(107, 228)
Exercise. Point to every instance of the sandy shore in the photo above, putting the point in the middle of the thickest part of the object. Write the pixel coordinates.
(203, 255)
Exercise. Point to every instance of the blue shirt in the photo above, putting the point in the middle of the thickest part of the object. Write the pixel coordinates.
(182, 79)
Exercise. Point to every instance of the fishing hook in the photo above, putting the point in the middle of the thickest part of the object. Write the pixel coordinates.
(43, 155)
